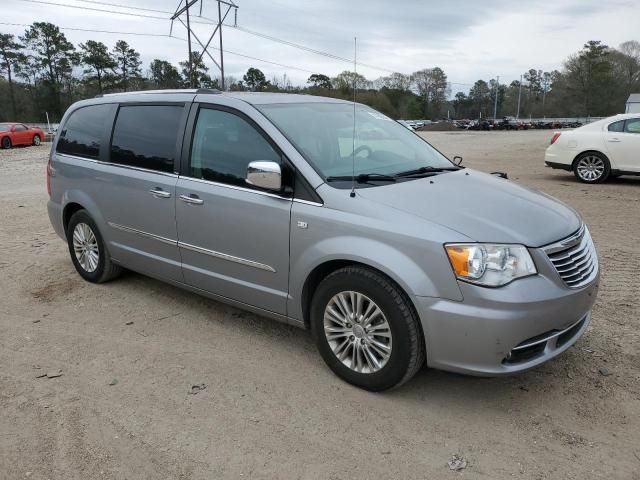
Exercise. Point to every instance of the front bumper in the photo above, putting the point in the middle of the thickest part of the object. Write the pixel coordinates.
(498, 331)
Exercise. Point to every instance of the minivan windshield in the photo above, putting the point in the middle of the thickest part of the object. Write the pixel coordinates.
(323, 134)
(5, 127)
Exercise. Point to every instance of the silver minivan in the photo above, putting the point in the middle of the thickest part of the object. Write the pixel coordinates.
(328, 216)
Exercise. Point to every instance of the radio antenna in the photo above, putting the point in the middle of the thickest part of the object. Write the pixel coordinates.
(353, 146)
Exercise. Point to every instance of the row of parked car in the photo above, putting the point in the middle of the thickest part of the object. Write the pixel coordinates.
(510, 123)
(414, 124)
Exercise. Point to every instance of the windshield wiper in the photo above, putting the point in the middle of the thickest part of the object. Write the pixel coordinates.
(426, 171)
(363, 178)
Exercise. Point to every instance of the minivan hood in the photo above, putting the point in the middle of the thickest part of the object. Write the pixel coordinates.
(483, 207)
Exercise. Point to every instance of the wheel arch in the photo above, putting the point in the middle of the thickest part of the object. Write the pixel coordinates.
(321, 271)
(590, 150)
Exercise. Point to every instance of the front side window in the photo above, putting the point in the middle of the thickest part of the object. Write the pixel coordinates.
(324, 134)
(616, 126)
(632, 125)
(145, 136)
(83, 131)
(223, 146)
(20, 128)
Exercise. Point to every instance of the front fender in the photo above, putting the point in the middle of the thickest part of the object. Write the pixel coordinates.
(400, 267)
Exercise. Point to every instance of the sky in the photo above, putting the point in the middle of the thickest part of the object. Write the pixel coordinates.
(468, 39)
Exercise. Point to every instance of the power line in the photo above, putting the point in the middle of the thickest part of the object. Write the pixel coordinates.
(140, 34)
(237, 54)
(211, 22)
(129, 14)
(119, 5)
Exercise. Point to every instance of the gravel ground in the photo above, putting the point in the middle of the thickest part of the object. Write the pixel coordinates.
(130, 351)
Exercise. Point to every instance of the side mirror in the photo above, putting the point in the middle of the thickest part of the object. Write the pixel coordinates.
(457, 160)
(264, 174)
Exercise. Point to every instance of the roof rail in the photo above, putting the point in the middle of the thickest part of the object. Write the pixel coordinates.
(166, 92)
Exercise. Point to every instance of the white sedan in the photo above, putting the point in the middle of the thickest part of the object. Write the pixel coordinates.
(599, 150)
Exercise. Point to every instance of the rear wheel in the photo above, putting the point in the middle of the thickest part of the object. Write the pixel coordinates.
(6, 142)
(87, 249)
(366, 329)
(592, 167)
(36, 140)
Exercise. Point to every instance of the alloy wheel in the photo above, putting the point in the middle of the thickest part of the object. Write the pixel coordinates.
(85, 247)
(590, 168)
(358, 332)
(36, 140)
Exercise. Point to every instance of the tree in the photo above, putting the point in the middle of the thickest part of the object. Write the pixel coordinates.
(318, 80)
(53, 53)
(255, 80)
(127, 62)
(346, 80)
(97, 57)
(397, 81)
(587, 75)
(460, 103)
(479, 97)
(10, 60)
(164, 75)
(433, 88)
(197, 77)
(627, 62)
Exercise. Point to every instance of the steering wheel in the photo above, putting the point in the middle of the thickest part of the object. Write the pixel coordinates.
(363, 148)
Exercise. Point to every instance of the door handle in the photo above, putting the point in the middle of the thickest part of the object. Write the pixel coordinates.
(615, 140)
(159, 193)
(191, 199)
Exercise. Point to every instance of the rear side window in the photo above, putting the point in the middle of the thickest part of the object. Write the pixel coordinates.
(223, 146)
(617, 126)
(632, 125)
(145, 136)
(83, 131)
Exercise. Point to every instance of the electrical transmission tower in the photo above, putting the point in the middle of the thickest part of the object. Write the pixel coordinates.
(183, 9)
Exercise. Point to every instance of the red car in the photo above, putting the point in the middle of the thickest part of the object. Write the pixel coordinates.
(19, 134)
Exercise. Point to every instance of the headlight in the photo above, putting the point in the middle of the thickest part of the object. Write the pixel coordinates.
(488, 264)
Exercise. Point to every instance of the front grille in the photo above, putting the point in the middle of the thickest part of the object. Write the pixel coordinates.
(575, 259)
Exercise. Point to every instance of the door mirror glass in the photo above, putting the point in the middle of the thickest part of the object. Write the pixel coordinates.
(457, 160)
(264, 174)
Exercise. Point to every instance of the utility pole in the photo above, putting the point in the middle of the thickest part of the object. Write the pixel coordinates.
(191, 79)
(519, 95)
(221, 54)
(217, 30)
(495, 103)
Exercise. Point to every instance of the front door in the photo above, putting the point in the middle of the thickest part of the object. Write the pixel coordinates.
(21, 134)
(624, 146)
(233, 239)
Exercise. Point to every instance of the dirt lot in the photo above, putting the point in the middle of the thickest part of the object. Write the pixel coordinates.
(271, 409)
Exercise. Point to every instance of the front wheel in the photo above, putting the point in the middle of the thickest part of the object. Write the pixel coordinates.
(36, 140)
(88, 252)
(592, 167)
(366, 329)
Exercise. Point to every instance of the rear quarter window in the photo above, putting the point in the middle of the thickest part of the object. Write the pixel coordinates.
(82, 132)
(145, 136)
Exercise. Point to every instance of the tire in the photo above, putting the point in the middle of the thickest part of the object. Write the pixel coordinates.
(6, 143)
(36, 140)
(82, 230)
(592, 167)
(397, 328)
